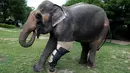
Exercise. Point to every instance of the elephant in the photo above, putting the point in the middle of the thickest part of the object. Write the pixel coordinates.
(84, 23)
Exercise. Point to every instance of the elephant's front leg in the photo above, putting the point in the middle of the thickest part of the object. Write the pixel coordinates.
(51, 45)
(62, 48)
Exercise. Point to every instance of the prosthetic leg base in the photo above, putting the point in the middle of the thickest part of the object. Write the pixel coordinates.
(55, 71)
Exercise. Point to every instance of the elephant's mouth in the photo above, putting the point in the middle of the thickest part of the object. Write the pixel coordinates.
(41, 29)
(38, 32)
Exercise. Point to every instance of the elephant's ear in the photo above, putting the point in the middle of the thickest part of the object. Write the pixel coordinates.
(58, 14)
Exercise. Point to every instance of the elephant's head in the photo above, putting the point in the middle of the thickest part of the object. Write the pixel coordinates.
(41, 21)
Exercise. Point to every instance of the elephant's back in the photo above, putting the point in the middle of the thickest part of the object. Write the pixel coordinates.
(84, 8)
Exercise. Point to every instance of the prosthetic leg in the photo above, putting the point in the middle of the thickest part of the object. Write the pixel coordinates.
(62, 49)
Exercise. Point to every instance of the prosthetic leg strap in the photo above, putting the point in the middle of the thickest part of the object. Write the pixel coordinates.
(56, 55)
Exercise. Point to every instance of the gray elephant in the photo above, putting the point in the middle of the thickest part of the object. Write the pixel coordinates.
(85, 23)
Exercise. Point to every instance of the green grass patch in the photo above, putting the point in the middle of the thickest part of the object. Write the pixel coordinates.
(112, 58)
(7, 25)
(12, 33)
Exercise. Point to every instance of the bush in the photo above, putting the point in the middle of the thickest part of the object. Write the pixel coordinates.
(6, 25)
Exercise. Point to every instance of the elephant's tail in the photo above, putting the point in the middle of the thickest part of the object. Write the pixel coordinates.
(109, 35)
(105, 33)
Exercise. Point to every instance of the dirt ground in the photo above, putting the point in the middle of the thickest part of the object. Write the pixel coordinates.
(119, 42)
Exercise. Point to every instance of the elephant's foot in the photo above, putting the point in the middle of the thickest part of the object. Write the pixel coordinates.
(91, 65)
(38, 68)
(53, 71)
(83, 62)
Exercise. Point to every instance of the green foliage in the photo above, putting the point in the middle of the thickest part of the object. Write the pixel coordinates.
(4, 8)
(16, 9)
(19, 9)
(118, 9)
(7, 25)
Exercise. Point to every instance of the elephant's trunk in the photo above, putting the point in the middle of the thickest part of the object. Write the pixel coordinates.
(29, 26)
(23, 36)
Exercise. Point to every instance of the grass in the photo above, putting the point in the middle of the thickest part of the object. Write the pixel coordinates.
(7, 25)
(112, 58)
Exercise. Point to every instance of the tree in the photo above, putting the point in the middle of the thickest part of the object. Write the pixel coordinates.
(16, 9)
(19, 9)
(4, 9)
(117, 9)
(119, 12)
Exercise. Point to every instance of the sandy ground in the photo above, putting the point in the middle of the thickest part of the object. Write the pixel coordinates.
(119, 42)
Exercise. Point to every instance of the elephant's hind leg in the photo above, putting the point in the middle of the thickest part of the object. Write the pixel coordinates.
(84, 53)
(94, 46)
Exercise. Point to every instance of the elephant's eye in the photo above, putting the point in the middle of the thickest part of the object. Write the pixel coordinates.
(39, 16)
